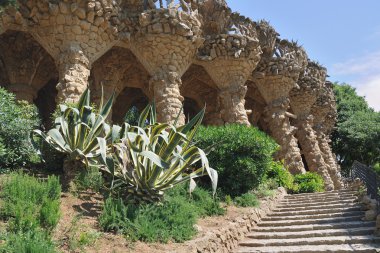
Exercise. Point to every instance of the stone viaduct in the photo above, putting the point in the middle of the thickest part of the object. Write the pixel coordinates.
(188, 53)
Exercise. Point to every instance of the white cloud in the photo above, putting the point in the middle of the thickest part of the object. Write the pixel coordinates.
(364, 74)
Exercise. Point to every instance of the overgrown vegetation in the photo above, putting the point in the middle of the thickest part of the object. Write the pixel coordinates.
(17, 119)
(281, 175)
(173, 220)
(140, 162)
(358, 126)
(247, 200)
(241, 155)
(31, 208)
(308, 182)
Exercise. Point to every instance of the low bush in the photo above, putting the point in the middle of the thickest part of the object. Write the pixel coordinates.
(17, 119)
(30, 203)
(241, 155)
(281, 175)
(29, 242)
(308, 182)
(247, 200)
(376, 168)
(173, 220)
(90, 179)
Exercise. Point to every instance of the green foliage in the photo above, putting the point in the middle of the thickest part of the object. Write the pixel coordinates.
(29, 242)
(132, 116)
(80, 132)
(281, 175)
(376, 168)
(266, 189)
(247, 200)
(90, 179)
(154, 157)
(308, 182)
(172, 220)
(17, 119)
(30, 203)
(358, 126)
(241, 155)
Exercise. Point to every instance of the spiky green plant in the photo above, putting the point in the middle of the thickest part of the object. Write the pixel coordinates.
(153, 157)
(80, 132)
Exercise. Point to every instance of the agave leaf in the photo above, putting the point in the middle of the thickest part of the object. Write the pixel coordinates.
(84, 99)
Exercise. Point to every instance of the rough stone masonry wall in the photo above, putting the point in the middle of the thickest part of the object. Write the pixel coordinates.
(274, 77)
(71, 35)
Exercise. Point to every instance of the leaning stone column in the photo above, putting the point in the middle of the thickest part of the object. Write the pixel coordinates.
(324, 113)
(301, 99)
(74, 70)
(166, 46)
(275, 76)
(229, 60)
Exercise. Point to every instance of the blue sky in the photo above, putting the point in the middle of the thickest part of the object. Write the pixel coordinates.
(342, 35)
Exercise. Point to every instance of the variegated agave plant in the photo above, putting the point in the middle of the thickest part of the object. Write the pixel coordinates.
(81, 133)
(153, 157)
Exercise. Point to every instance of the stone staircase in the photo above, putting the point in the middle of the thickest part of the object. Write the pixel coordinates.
(314, 222)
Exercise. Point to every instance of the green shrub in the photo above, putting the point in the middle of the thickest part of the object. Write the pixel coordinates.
(173, 220)
(241, 155)
(118, 217)
(90, 179)
(29, 242)
(30, 203)
(247, 200)
(266, 189)
(17, 119)
(376, 168)
(281, 175)
(204, 203)
(308, 182)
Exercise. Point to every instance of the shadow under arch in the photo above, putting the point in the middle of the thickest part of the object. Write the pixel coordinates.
(199, 90)
(28, 70)
(255, 103)
(129, 98)
(119, 71)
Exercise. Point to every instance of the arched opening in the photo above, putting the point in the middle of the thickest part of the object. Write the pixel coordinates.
(255, 103)
(200, 90)
(46, 102)
(127, 99)
(29, 71)
(119, 71)
(190, 108)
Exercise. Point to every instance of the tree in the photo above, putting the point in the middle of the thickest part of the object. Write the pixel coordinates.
(357, 135)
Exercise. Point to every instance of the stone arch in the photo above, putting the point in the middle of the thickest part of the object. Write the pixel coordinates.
(126, 99)
(200, 90)
(119, 71)
(255, 104)
(28, 70)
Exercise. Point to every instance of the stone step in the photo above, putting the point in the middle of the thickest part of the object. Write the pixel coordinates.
(335, 195)
(311, 207)
(312, 233)
(310, 221)
(295, 228)
(315, 204)
(315, 211)
(312, 216)
(345, 248)
(319, 193)
(327, 199)
(369, 239)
